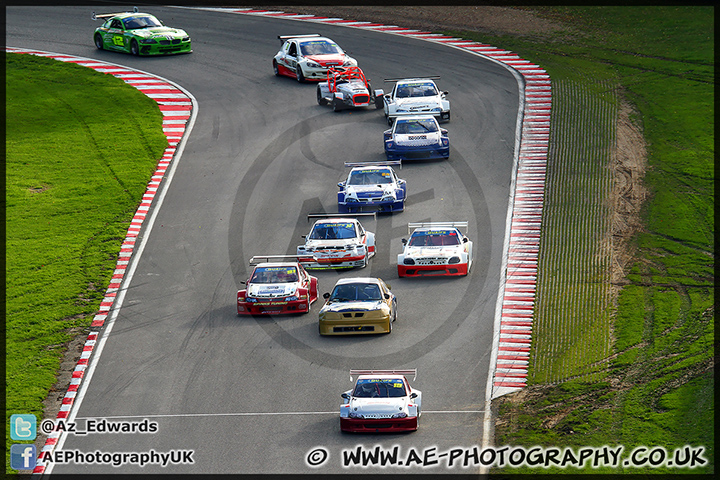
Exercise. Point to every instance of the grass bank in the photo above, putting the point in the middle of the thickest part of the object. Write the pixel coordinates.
(656, 386)
(80, 149)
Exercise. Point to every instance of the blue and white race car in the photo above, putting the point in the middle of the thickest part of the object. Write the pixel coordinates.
(372, 187)
(415, 96)
(416, 137)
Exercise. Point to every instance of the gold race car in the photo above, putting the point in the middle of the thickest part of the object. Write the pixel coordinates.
(358, 305)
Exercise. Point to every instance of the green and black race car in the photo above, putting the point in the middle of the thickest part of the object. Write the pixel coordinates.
(139, 34)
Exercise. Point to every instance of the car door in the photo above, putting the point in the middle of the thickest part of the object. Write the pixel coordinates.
(291, 56)
(114, 37)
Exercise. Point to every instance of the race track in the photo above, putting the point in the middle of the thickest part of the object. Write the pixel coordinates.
(256, 395)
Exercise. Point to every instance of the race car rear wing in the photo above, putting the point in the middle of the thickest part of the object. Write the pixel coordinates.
(373, 164)
(430, 77)
(341, 215)
(410, 371)
(108, 15)
(282, 38)
(412, 226)
(277, 258)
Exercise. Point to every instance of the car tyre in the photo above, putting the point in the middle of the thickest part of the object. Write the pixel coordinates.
(299, 74)
(134, 49)
(336, 104)
(98, 41)
(320, 99)
(275, 68)
(367, 259)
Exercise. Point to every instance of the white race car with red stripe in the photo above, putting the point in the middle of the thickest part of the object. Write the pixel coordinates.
(308, 57)
(337, 242)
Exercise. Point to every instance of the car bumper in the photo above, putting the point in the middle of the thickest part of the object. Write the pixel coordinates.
(440, 117)
(358, 327)
(361, 207)
(415, 152)
(453, 269)
(356, 425)
(272, 307)
(171, 49)
(327, 263)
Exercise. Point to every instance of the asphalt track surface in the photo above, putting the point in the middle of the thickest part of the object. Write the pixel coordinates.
(256, 395)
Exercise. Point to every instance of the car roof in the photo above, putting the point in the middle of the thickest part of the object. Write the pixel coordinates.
(312, 39)
(276, 264)
(344, 281)
(371, 167)
(133, 14)
(384, 376)
(405, 118)
(336, 220)
(414, 80)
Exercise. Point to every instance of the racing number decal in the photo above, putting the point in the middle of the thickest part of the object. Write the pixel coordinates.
(118, 40)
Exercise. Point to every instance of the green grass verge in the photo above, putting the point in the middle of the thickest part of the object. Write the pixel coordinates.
(80, 149)
(660, 387)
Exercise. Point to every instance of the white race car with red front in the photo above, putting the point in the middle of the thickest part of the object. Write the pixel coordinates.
(308, 57)
(279, 284)
(382, 401)
(435, 248)
(337, 242)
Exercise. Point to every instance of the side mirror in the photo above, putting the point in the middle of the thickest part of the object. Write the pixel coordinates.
(244, 283)
(404, 241)
(341, 184)
(345, 396)
(303, 236)
(465, 240)
(326, 295)
(445, 93)
(387, 296)
(413, 396)
(444, 131)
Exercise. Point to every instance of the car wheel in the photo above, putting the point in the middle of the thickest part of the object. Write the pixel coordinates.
(134, 49)
(320, 99)
(275, 68)
(336, 104)
(99, 41)
(299, 74)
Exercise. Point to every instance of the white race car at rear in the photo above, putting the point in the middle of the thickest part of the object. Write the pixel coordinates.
(382, 401)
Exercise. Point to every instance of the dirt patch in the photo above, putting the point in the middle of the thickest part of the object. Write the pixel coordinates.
(628, 193)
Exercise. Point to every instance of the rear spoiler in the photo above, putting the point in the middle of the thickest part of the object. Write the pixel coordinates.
(431, 77)
(108, 15)
(282, 38)
(279, 258)
(412, 226)
(341, 215)
(373, 164)
(410, 371)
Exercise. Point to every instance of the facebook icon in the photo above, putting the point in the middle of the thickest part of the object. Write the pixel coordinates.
(22, 456)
